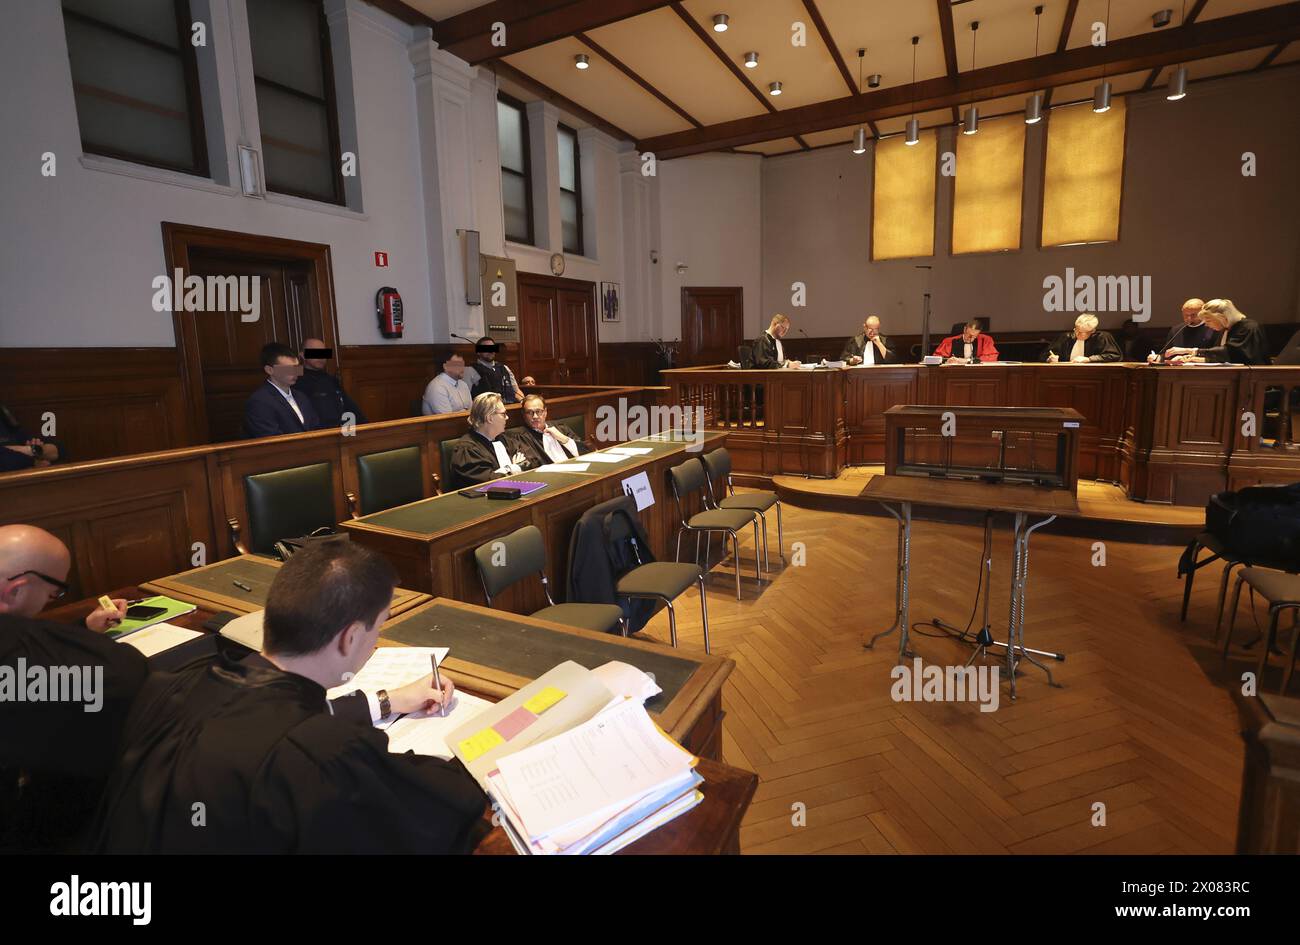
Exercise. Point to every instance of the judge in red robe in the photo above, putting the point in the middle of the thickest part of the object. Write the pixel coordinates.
(970, 346)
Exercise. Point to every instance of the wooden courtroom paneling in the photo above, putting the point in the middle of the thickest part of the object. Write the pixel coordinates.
(129, 520)
(105, 401)
(386, 380)
(629, 362)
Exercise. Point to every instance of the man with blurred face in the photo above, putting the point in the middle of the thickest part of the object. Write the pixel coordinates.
(490, 376)
(276, 408)
(328, 398)
(449, 392)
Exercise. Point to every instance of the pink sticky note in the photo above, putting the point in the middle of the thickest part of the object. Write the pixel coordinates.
(514, 723)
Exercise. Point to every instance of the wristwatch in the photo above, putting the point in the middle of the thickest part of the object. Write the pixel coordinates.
(385, 707)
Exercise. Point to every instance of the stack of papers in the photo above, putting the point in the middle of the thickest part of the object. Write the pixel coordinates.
(596, 787)
(630, 450)
(604, 457)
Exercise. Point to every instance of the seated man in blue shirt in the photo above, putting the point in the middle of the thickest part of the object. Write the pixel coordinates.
(275, 408)
(449, 392)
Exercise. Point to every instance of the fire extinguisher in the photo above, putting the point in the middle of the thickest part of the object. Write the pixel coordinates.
(388, 307)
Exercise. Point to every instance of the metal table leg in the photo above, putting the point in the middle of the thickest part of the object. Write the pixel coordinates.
(900, 585)
(1020, 580)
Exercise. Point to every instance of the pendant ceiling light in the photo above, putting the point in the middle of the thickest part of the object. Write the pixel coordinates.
(913, 126)
(1178, 80)
(971, 123)
(1034, 104)
(1101, 95)
(860, 136)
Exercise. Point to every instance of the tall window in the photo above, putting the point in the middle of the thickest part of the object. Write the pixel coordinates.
(902, 207)
(1083, 175)
(516, 182)
(294, 78)
(570, 191)
(989, 187)
(135, 80)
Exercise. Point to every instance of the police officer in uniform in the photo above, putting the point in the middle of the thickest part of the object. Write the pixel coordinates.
(327, 395)
(489, 377)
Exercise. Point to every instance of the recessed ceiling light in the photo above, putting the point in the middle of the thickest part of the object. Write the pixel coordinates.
(719, 22)
(873, 81)
(581, 61)
(1162, 18)
(775, 88)
(751, 60)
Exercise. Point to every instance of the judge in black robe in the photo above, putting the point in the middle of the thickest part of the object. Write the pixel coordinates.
(55, 755)
(475, 457)
(1243, 343)
(881, 350)
(768, 352)
(1098, 346)
(248, 757)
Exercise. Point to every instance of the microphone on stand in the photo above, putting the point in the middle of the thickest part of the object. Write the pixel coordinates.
(1173, 336)
(463, 338)
(925, 312)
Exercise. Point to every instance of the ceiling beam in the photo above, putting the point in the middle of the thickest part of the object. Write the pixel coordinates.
(824, 31)
(1067, 24)
(1265, 27)
(530, 23)
(1194, 12)
(547, 94)
(949, 37)
(618, 64)
(709, 41)
(1272, 54)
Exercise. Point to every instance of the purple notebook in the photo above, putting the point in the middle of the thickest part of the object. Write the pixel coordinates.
(525, 488)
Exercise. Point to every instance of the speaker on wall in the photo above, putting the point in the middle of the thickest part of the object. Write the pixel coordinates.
(473, 283)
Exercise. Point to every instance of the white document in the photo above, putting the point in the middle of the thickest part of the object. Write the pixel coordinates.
(626, 681)
(391, 667)
(425, 733)
(638, 487)
(630, 450)
(564, 467)
(159, 637)
(599, 767)
(604, 457)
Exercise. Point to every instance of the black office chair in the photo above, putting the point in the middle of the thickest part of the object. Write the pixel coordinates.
(688, 478)
(386, 480)
(959, 327)
(513, 557)
(717, 468)
(746, 356)
(287, 503)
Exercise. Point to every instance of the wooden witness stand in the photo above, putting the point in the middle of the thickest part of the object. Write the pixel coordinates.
(1023, 501)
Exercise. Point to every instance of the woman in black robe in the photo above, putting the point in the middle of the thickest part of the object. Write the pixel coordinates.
(484, 454)
(1240, 340)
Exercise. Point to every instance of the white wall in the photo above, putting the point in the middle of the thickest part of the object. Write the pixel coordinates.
(82, 248)
(710, 220)
(1189, 220)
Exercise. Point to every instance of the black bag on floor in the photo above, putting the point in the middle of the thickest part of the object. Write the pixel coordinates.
(1258, 524)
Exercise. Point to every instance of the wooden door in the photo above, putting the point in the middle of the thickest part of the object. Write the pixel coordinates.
(229, 348)
(557, 330)
(713, 325)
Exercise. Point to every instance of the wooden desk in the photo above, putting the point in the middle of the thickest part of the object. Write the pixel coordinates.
(1166, 434)
(213, 587)
(432, 542)
(1022, 501)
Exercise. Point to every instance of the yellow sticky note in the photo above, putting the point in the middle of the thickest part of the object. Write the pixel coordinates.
(479, 744)
(544, 700)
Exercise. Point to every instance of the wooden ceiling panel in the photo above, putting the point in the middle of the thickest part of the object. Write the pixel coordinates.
(836, 135)
(1006, 30)
(1127, 18)
(1290, 54)
(602, 88)
(807, 74)
(442, 9)
(779, 146)
(885, 29)
(665, 52)
(1217, 8)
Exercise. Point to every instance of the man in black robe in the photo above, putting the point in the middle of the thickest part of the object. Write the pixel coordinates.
(484, 453)
(55, 753)
(869, 346)
(1084, 344)
(248, 757)
(543, 442)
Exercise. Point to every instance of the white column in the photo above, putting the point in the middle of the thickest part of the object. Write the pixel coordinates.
(543, 154)
(487, 162)
(442, 101)
(601, 234)
(641, 276)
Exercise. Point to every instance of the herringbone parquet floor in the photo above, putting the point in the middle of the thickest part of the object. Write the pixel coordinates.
(1137, 726)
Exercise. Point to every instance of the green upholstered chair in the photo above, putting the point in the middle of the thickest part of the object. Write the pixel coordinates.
(386, 480)
(687, 479)
(577, 423)
(511, 558)
(445, 449)
(717, 468)
(287, 503)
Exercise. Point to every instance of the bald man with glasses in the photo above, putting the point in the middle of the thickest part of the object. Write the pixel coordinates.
(34, 568)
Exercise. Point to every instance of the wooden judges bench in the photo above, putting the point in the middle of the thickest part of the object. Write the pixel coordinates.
(131, 518)
(1166, 434)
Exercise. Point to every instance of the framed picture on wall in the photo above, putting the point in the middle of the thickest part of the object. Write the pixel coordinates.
(611, 302)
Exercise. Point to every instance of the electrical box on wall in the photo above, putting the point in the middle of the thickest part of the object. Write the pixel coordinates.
(500, 298)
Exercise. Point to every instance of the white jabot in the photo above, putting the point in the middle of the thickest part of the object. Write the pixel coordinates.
(556, 452)
(1079, 349)
(968, 349)
(869, 352)
(503, 458)
(780, 350)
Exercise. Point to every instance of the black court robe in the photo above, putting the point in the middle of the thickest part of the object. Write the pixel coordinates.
(275, 772)
(1243, 343)
(55, 756)
(529, 441)
(1099, 347)
(473, 461)
(1183, 336)
(764, 352)
(854, 347)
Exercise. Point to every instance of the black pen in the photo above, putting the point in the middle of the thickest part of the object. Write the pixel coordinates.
(242, 586)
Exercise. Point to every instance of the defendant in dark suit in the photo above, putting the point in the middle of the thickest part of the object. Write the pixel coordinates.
(275, 407)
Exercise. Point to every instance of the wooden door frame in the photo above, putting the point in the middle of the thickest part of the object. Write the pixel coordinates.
(740, 297)
(180, 239)
(547, 281)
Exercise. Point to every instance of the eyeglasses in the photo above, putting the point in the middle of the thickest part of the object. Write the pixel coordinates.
(61, 586)
(501, 413)
(539, 412)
